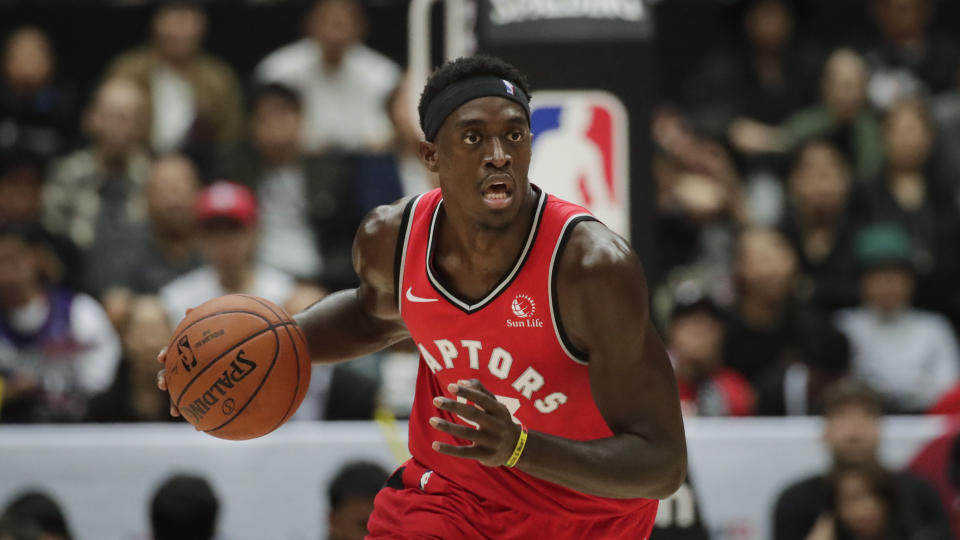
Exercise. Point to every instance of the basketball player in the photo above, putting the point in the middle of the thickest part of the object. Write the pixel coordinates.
(545, 404)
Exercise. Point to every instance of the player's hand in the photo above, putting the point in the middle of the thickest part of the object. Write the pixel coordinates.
(162, 381)
(493, 441)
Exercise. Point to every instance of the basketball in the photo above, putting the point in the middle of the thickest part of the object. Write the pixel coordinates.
(237, 367)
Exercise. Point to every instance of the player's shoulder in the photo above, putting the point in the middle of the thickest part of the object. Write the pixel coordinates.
(595, 253)
(288, 61)
(375, 244)
(383, 222)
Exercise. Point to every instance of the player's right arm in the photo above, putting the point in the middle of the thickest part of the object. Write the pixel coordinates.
(356, 322)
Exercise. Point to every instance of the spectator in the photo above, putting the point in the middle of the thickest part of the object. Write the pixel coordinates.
(150, 256)
(311, 204)
(226, 213)
(863, 502)
(39, 509)
(195, 98)
(763, 326)
(938, 462)
(292, 189)
(97, 191)
(909, 193)
(350, 495)
(852, 414)
(36, 114)
(57, 347)
(909, 355)
(797, 387)
(695, 342)
(184, 507)
(766, 78)
(21, 192)
(345, 84)
(905, 57)
(843, 116)
(699, 204)
(227, 216)
(820, 223)
(133, 396)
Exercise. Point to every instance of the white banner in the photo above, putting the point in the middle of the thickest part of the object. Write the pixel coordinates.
(275, 487)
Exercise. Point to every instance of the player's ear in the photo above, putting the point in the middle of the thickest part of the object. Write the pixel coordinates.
(428, 155)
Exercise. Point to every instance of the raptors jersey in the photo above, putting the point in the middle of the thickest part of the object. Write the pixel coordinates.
(512, 341)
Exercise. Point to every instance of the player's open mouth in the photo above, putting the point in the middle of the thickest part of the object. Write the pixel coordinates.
(497, 195)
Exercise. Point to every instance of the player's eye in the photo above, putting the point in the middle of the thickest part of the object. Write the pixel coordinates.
(515, 136)
(471, 138)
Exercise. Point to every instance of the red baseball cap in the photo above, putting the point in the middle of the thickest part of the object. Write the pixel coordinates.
(229, 200)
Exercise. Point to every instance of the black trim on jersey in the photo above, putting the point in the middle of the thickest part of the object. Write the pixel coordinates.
(565, 235)
(398, 254)
(396, 480)
(508, 277)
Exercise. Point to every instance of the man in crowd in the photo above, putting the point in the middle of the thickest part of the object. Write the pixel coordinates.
(345, 84)
(852, 412)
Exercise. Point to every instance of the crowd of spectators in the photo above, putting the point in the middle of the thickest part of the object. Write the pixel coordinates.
(807, 215)
(806, 211)
(178, 182)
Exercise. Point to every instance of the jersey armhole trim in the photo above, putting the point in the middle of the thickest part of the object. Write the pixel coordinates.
(400, 255)
(566, 344)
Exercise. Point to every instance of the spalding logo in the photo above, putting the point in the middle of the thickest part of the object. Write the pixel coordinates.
(523, 306)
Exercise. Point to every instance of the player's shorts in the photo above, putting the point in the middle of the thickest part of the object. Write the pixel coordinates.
(419, 504)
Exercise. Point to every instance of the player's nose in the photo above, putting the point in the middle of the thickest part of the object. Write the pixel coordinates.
(496, 155)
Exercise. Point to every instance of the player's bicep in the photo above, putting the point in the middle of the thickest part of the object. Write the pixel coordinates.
(607, 314)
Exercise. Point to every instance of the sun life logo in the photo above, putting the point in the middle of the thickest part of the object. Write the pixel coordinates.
(523, 306)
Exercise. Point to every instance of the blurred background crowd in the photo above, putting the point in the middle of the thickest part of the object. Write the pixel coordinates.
(806, 164)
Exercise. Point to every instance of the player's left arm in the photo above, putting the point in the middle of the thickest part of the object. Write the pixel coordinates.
(603, 301)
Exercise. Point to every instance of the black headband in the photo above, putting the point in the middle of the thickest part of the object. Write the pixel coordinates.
(459, 93)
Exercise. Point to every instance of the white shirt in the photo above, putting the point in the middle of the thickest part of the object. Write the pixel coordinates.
(345, 108)
(173, 109)
(67, 374)
(287, 241)
(911, 358)
(197, 286)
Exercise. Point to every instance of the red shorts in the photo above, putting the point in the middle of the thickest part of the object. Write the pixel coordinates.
(419, 504)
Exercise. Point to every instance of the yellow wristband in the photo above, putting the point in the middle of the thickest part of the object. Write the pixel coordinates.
(518, 450)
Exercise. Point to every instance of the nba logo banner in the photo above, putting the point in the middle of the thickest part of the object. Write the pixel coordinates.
(580, 152)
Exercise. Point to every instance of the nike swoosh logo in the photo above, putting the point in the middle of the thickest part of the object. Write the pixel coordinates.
(413, 298)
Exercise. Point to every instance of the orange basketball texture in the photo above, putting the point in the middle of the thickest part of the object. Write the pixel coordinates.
(237, 367)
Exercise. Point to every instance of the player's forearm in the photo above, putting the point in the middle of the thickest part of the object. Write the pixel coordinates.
(338, 329)
(623, 466)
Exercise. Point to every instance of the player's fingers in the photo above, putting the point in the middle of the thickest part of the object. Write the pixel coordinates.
(469, 452)
(464, 432)
(468, 412)
(162, 355)
(174, 411)
(162, 380)
(475, 383)
(485, 401)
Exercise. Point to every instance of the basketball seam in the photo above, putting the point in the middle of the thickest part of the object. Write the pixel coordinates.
(224, 353)
(288, 413)
(286, 416)
(263, 381)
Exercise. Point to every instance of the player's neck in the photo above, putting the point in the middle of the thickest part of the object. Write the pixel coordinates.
(474, 242)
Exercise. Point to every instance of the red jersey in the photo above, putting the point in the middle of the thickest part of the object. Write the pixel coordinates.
(512, 341)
